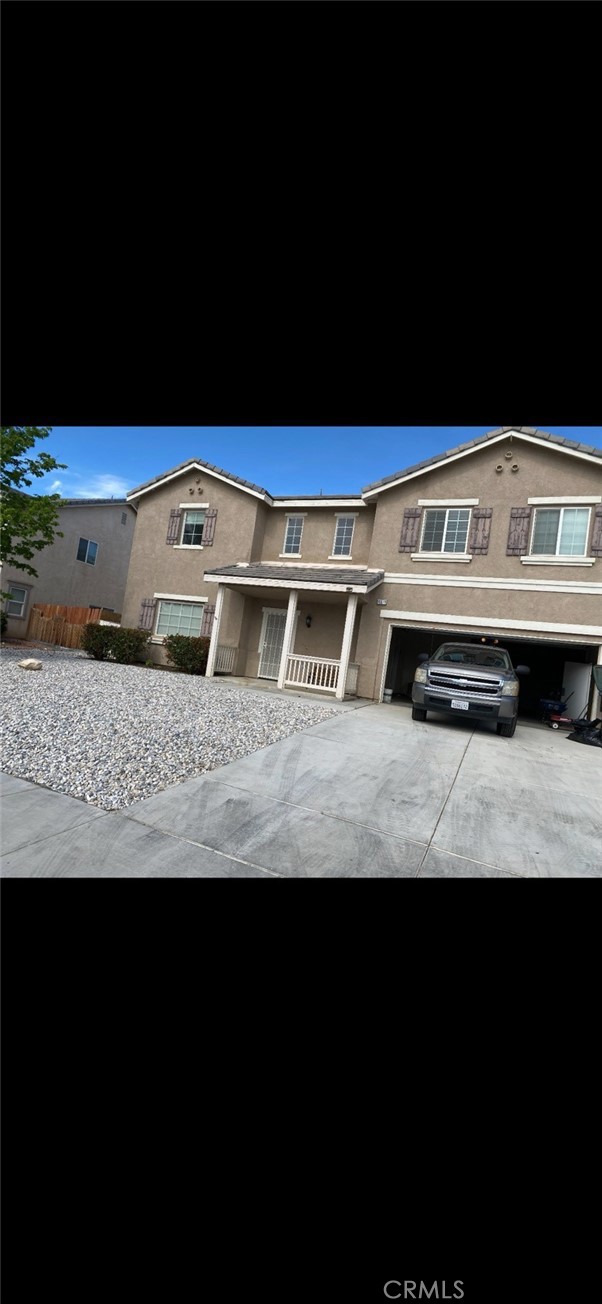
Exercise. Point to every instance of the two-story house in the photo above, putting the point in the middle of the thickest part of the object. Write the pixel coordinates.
(86, 567)
(499, 537)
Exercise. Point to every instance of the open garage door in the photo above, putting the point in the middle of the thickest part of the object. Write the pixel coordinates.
(555, 667)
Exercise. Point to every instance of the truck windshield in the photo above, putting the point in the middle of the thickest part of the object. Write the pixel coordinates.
(493, 657)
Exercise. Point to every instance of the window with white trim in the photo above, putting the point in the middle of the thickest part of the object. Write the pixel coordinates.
(343, 536)
(292, 535)
(192, 528)
(86, 551)
(17, 600)
(179, 618)
(445, 529)
(560, 532)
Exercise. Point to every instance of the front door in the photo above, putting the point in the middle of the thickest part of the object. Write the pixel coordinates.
(270, 644)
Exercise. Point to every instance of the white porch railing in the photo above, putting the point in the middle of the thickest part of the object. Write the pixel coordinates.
(224, 661)
(318, 673)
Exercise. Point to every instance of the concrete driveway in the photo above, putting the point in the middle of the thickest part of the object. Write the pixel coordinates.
(366, 794)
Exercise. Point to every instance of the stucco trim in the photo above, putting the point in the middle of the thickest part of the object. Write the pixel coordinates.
(549, 560)
(445, 618)
(448, 502)
(441, 556)
(310, 565)
(562, 502)
(491, 582)
(318, 502)
(180, 597)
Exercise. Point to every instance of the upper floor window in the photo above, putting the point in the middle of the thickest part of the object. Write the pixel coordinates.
(192, 529)
(292, 535)
(124, 517)
(445, 529)
(343, 536)
(560, 531)
(87, 551)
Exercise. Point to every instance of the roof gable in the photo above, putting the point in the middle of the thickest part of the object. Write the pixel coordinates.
(528, 434)
(194, 464)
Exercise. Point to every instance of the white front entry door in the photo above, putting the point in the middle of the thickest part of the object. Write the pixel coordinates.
(270, 644)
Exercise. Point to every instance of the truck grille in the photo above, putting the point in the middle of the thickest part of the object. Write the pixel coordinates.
(487, 685)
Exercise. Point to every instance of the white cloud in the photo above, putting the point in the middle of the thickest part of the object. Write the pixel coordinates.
(74, 485)
(102, 486)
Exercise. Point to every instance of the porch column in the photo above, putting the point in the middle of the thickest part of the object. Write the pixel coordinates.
(217, 620)
(288, 635)
(346, 647)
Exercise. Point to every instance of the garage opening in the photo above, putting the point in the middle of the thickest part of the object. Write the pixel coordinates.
(556, 668)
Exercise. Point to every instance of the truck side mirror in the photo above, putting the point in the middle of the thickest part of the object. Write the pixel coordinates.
(522, 670)
(422, 656)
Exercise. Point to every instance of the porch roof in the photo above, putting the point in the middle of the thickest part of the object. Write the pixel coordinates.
(344, 579)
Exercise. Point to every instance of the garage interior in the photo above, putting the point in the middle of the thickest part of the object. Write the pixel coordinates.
(554, 667)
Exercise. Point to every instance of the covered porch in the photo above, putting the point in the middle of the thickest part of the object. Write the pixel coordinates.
(297, 628)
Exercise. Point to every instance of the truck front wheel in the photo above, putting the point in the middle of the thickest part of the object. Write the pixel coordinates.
(418, 713)
(506, 728)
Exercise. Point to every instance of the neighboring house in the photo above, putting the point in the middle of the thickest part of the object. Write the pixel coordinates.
(86, 568)
(498, 537)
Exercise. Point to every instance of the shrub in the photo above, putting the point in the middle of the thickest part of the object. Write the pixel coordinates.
(97, 640)
(3, 623)
(128, 646)
(187, 654)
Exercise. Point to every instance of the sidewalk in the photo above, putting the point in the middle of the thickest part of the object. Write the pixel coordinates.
(368, 793)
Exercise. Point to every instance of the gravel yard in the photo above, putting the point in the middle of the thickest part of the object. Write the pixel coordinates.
(113, 734)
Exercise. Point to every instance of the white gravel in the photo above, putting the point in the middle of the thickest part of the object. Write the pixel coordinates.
(113, 734)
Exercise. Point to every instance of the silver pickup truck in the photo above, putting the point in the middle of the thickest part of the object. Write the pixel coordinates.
(468, 679)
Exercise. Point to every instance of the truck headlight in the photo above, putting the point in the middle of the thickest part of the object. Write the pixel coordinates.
(420, 675)
(511, 689)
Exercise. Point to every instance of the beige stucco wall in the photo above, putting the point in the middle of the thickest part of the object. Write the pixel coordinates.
(159, 567)
(318, 534)
(64, 580)
(541, 473)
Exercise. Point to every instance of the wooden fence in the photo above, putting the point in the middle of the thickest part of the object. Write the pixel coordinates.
(49, 623)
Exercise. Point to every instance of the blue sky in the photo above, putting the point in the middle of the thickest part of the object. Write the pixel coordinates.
(107, 461)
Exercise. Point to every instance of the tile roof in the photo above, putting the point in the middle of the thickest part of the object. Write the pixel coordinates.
(95, 502)
(476, 443)
(194, 462)
(345, 576)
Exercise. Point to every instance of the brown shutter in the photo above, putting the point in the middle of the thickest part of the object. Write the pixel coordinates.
(147, 613)
(173, 528)
(209, 527)
(410, 529)
(207, 621)
(480, 529)
(518, 535)
(596, 548)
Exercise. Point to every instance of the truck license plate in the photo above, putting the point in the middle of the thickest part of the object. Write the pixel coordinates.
(460, 706)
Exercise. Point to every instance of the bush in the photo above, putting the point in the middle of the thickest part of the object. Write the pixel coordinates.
(115, 643)
(128, 646)
(187, 654)
(97, 641)
(3, 623)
